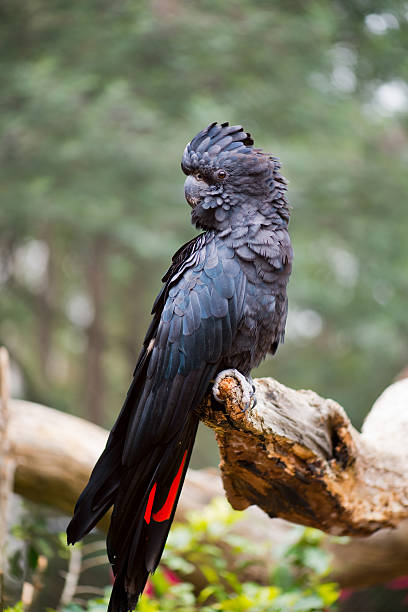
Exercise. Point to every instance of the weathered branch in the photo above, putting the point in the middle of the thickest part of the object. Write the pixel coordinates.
(294, 454)
(297, 456)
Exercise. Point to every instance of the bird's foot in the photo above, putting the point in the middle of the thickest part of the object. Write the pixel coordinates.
(242, 393)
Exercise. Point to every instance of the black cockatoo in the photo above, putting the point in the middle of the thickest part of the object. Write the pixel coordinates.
(223, 306)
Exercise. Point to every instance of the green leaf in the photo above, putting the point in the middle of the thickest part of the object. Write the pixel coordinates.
(209, 572)
(205, 593)
(329, 592)
(233, 582)
(18, 607)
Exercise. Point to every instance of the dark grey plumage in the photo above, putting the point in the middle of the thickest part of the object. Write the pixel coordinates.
(246, 213)
(223, 305)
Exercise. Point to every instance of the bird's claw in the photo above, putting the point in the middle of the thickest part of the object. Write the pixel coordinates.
(246, 394)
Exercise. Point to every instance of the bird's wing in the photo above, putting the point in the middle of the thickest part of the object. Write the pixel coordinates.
(196, 317)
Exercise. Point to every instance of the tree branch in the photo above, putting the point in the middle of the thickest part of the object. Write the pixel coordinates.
(297, 456)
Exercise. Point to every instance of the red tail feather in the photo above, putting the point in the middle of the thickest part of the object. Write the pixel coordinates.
(165, 512)
(149, 505)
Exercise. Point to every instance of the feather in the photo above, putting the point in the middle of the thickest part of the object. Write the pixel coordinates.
(209, 339)
(225, 286)
(205, 303)
(245, 253)
(195, 309)
(153, 361)
(220, 214)
(219, 305)
(188, 320)
(215, 129)
(217, 340)
(175, 329)
(226, 323)
(231, 267)
(233, 313)
(224, 142)
(214, 271)
(204, 145)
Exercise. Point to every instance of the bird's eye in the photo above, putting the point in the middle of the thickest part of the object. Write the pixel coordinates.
(199, 176)
(221, 174)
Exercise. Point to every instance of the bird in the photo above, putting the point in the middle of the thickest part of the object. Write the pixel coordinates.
(223, 305)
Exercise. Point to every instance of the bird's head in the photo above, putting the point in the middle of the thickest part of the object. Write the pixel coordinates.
(227, 178)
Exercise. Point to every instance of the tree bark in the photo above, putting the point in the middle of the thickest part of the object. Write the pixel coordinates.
(295, 455)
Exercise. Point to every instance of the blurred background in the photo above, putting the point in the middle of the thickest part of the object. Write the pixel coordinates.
(98, 100)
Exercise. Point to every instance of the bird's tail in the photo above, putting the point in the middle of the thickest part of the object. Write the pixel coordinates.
(144, 498)
(143, 513)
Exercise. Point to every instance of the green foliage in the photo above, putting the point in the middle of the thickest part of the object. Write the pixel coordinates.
(18, 607)
(207, 544)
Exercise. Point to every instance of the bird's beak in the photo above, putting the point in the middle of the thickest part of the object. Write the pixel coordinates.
(193, 190)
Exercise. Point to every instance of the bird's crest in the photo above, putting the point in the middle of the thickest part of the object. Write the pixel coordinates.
(215, 139)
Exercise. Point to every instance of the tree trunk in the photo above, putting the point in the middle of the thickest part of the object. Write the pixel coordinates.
(94, 374)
